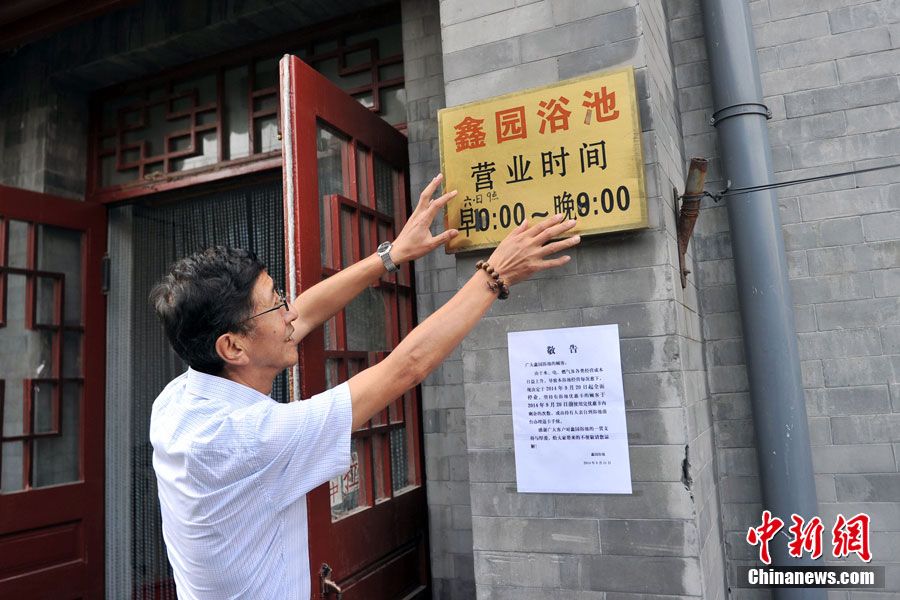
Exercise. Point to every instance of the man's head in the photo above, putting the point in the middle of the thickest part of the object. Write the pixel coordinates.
(205, 296)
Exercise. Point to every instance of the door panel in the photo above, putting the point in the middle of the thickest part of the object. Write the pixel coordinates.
(345, 192)
(51, 396)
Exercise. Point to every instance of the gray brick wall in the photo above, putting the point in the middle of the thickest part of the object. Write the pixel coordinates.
(443, 402)
(539, 546)
(829, 74)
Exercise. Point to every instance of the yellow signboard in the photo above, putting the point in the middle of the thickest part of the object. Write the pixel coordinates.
(571, 147)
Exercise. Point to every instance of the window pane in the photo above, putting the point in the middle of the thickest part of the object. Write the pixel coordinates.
(266, 74)
(400, 471)
(18, 243)
(265, 134)
(384, 186)
(347, 492)
(207, 151)
(365, 321)
(236, 114)
(71, 358)
(60, 251)
(393, 104)
(12, 467)
(57, 459)
(362, 175)
(331, 148)
(43, 420)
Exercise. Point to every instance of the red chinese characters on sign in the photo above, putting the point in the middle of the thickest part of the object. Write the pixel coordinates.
(469, 134)
(807, 538)
(848, 536)
(511, 124)
(851, 536)
(554, 112)
(601, 104)
(350, 479)
(763, 534)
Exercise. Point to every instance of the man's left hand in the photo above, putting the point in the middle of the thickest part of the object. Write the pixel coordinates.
(415, 240)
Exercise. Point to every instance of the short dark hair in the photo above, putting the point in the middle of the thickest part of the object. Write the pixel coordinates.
(203, 296)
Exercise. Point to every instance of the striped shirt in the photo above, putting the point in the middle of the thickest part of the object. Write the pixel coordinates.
(233, 468)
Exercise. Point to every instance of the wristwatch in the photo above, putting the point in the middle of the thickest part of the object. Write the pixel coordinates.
(384, 251)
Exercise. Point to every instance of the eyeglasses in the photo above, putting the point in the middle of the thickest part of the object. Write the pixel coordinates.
(284, 304)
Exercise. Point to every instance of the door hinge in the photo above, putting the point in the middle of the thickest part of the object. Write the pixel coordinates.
(104, 274)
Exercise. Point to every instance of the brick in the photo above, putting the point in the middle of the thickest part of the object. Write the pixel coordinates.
(785, 31)
(855, 147)
(858, 313)
(867, 458)
(872, 429)
(644, 575)
(885, 226)
(738, 461)
(862, 17)
(870, 370)
(497, 466)
(518, 569)
(601, 58)
(868, 66)
(721, 326)
(565, 536)
(489, 432)
(728, 379)
(731, 406)
(580, 35)
(656, 426)
(805, 77)
(620, 287)
(735, 434)
(685, 29)
(652, 390)
(858, 400)
(635, 320)
(641, 355)
(501, 81)
(481, 59)
(496, 26)
(502, 499)
(868, 488)
(725, 352)
(890, 340)
(813, 373)
(833, 47)
(831, 288)
(457, 11)
(623, 251)
(491, 332)
(805, 318)
(884, 515)
(566, 11)
(886, 282)
(859, 257)
(488, 398)
(654, 537)
(447, 492)
(839, 344)
(786, 10)
(819, 431)
(848, 95)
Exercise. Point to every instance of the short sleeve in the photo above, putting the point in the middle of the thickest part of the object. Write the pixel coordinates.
(303, 444)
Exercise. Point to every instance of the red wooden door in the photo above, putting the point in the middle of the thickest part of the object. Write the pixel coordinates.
(346, 190)
(52, 324)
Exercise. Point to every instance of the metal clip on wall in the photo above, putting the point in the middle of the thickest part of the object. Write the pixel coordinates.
(690, 209)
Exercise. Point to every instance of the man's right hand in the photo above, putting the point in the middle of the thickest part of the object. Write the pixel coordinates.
(523, 252)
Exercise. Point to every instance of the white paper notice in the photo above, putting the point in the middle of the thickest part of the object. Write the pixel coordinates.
(569, 411)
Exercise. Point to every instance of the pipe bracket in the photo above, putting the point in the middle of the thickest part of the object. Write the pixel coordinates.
(735, 110)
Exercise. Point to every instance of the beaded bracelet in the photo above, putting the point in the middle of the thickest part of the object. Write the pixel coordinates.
(498, 283)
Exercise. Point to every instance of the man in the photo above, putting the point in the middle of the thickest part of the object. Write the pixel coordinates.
(233, 466)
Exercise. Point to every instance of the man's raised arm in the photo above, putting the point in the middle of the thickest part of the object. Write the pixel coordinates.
(322, 301)
(518, 257)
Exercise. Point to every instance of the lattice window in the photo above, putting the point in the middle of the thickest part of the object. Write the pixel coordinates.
(227, 116)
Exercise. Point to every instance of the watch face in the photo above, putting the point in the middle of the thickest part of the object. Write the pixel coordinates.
(384, 247)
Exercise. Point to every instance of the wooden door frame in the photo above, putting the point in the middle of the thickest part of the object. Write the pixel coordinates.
(322, 100)
(21, 507)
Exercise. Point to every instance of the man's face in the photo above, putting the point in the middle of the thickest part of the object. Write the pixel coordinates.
(269, 342)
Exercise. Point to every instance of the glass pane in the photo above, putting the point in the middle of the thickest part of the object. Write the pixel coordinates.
(378, 448)
(43, 419)
(265, 103)
(390, 40)
(362, 176)
(365, 98)
(365, 322)
(205, 87)
(331, 70)
(384, 186)
(404, 314)
(157, 128)
(265, 134)
(18, 243)
(400, 471)
(347, 257)
(266, 74)
(331, 151)
(45, 303)
(347, 492)
(208, 151)
(393, 105)
(358, 58)
(12, 467)
(236, 114)
(110, 175)
(60, 251)
(57, 459)
(71, 358)
(392, 71)
(332, 372)
(12, 407)
(367, 235)
(111, 110)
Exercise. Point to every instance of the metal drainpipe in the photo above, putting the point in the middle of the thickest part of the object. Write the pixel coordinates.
(767, 317)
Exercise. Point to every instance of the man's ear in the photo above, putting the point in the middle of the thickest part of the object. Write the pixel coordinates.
(230, 346)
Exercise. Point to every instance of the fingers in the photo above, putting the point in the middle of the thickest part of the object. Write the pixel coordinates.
(439, 203)
(555, 262)
(555, 230)
(429, 190)
(545, 224)
(561, 245)
(445, 237)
